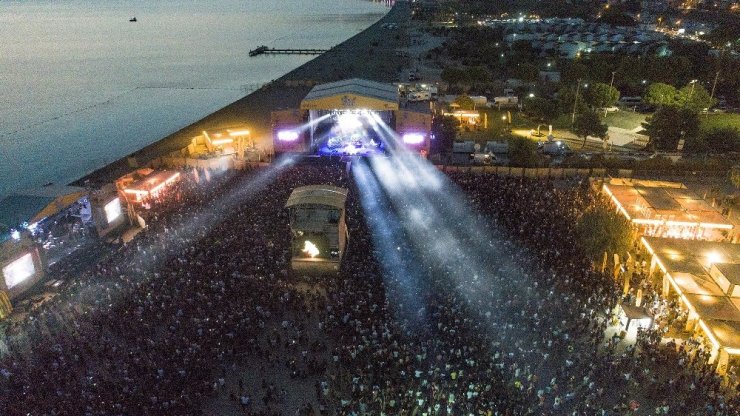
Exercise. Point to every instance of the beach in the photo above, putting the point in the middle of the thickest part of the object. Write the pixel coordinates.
(371, 54)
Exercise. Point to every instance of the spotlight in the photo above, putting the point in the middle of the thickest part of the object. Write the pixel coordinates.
(349, 121)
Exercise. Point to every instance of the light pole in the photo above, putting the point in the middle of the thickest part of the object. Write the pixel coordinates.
(611, 85)
(575, 102)
(714, 86)
(693, 84)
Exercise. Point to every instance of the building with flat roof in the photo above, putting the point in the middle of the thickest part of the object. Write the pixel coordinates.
(668, 209)
(705, 275)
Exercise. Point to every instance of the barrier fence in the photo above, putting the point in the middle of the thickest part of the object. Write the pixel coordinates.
(554, 173)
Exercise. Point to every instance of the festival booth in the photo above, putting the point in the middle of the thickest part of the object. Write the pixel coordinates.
(704, 275)
(145, 185)
(351, 117)
(21, 265)
(667, 209)
(319, 231)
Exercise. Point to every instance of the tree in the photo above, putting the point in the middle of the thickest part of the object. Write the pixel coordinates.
(695, 97)
(617, 18)
(587, 124)
(721, 139)
(567, 96)
(668, 125)
(735, 176)
(445, 131)
(452, 75)
(465, 102)
(660, 94)
(527, 72)
(601, 229)
(479, 73)
(522, 152)
(543, 110)
(599, 95)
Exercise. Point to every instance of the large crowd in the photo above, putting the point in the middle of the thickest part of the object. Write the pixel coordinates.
(199, 314)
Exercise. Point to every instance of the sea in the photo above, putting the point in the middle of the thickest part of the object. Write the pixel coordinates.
(82, 86)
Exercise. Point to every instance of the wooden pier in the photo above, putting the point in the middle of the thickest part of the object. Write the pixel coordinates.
(264, 50)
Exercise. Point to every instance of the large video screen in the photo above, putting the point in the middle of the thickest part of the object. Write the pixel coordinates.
(112, 210)
(18, 271)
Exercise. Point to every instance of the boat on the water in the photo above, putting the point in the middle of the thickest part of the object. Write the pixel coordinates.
(133, 19)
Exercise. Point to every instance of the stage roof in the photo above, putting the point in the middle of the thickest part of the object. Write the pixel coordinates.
(687, 265)
(352, 93)
(663, 203)
(33, 205)
(318, 195)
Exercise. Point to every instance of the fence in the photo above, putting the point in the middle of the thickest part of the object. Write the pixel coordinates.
(554, 173)
(219, 163)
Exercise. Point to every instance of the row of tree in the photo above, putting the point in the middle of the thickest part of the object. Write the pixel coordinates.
(672, 124)
(693, 97)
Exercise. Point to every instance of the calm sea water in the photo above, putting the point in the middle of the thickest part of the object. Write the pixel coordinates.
(81, 86)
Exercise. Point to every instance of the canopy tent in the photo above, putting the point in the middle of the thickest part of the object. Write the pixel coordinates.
(318, 195)
(352, 93)
(33, 205)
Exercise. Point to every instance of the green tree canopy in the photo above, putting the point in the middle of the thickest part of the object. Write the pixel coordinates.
(599, 95)
(721, 140)
(527, 72)
(522, 152)
(660, 94)
(478, 73)
(567, 96)
(587, 124)
(735, 176)
(465, 102)
(614, 16)
(452, 75)
(695, 97)
(542, 110)
(602, 229)
(668, 125)
(445, 131)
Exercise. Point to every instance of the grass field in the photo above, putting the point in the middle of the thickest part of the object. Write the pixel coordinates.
(713, 121)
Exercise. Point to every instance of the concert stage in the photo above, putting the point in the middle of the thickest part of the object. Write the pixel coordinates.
(351, 118)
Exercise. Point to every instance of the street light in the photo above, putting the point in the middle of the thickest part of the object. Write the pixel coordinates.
(693, 84)
(531, 95)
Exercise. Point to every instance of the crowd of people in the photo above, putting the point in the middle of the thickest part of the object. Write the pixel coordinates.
(200, 314)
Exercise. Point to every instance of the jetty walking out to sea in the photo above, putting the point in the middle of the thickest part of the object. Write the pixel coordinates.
(263, 50)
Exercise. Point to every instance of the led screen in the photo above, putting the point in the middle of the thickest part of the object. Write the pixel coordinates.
(18, 271)
(112, 210)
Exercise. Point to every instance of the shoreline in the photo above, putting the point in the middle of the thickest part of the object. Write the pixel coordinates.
(346, 60)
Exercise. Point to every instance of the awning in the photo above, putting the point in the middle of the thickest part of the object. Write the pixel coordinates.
(318, 195)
